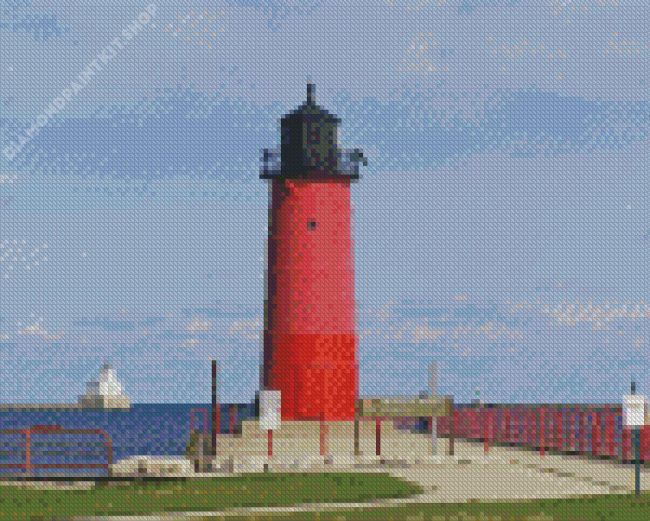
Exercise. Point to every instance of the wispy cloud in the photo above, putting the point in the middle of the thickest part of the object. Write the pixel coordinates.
(15, 255)
(255, 325)
(198, 27)
(37, 329)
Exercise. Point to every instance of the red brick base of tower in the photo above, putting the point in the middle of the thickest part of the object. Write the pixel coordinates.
(316, 374)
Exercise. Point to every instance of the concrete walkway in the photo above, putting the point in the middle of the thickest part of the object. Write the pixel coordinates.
(507, 474)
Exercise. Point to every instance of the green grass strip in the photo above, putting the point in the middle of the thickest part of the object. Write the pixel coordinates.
(213, 494)
(610, 507)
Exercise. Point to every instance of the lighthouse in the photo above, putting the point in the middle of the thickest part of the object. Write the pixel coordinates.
(310, 345)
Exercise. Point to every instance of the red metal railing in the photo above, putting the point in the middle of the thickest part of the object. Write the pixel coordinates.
(28, 466)
(204, 412)
(594, 430)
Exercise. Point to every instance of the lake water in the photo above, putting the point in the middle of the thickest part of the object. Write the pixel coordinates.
(149, 429)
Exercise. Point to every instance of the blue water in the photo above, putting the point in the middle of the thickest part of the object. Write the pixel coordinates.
(144, 429)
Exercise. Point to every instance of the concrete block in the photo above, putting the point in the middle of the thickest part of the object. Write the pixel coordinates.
(251, 429)
(296, 446)
(152, 466)
(303, 439)
(298, 430)
(341, 429)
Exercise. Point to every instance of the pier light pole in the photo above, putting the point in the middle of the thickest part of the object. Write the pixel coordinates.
(633, 418)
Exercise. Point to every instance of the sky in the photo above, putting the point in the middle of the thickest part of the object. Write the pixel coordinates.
(501, 226)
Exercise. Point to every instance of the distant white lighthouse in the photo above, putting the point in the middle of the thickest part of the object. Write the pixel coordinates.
(107, 393)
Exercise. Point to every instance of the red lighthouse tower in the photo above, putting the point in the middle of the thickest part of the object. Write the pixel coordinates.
(309, 337)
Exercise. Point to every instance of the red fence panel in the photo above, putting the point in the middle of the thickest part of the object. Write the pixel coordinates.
(595, 435)
(609, 434)
(562, 429)
(204, 412)
(55, 429)
(645, 443)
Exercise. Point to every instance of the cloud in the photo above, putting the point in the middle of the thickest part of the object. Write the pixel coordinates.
(279, 9)
(570, 314)
(33, 21)
(197, 27)
(14, 255)
(37, 329)
(252, 325)
(468, 6)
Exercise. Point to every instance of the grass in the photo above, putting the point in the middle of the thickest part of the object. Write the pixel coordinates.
(610, 507)
(154, 496)
(211, 494)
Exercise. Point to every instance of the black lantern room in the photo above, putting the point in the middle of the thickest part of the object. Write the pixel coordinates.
(309, 146)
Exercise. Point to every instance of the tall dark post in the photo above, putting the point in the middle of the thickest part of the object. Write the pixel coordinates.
(636, 450)
(216, 408)
(452, 426)
(433, 421)
(356, 432)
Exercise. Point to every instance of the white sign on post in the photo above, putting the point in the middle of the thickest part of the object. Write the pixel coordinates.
(270, 410)
(633, 411)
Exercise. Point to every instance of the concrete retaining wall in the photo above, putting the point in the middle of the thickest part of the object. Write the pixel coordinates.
(301, 442)
(151, 466)
(402, 444)
(305, 438)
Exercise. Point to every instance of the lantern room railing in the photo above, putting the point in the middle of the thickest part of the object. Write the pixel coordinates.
(347, 163)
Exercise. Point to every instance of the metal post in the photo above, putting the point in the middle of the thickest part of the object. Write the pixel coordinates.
(451, 426)
(28, 455)
(434, 435)
(433, 377)
(541, 426)
(200, 456)
(109, 447)
(480, 418)
(356, 433)
(486, 433)
(378, 435)
(635, 448)
(636, 433)
(216, 409)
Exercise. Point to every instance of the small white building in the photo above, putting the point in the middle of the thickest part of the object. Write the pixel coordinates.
(107, 393)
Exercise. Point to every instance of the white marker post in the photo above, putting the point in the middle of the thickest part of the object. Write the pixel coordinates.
(270, 416)
(633, 418)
